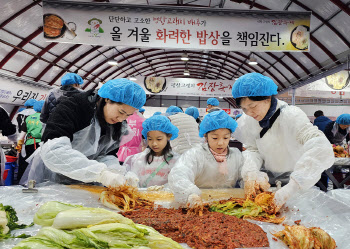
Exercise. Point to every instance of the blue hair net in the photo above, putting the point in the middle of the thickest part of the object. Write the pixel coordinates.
(173, 109)
(142, 110)
(38, 105)
(253, 84)
(216, 120)
(70, 79)
(159, 123)
(124, 91)
(238, 116)
(213, 102)
(192, 111)
(157, 113)
(30, 102)
(343, 119)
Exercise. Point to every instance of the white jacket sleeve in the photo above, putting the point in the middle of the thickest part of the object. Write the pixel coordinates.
(59, 156)
(129, 162)
(131, 174)
(182, 176)
(252, 157)
(317, 151)
(112, 163)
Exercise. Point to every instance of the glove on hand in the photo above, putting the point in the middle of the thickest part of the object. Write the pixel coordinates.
(111, 179)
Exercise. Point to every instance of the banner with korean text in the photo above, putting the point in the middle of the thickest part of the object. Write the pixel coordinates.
(186, 86)
(173, 27)
(17, 93)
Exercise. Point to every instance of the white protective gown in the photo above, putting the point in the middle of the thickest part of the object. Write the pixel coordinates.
(82, 160)
(292, 144)
(197, 168)
(188, 132)
(137, 164)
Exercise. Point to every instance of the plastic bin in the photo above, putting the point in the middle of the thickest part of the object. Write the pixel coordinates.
(10, 159)
(10, 167)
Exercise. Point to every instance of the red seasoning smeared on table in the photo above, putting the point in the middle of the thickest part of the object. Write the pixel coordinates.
(211, 230)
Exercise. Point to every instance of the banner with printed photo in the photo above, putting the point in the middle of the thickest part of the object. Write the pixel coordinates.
(186, 86)
(173, 27)
(333, 86)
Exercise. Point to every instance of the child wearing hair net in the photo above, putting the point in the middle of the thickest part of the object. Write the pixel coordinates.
(152, 166)
(209, 165)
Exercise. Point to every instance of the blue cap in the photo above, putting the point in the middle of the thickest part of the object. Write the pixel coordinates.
(70, 79)
(216, 120)
(192, 111)
(30, 102)
(173, 109)
(21, 109)
(213, 102)
(159, 123)
(39, 105)
(343, 119)
(142, 110)
(157, 113)
(124, 91)
(253, 84)
(238, 116)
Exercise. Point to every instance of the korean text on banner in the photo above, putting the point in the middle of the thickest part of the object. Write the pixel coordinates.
(164, 27)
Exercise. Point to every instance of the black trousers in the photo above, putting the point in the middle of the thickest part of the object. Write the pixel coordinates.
(22, 164)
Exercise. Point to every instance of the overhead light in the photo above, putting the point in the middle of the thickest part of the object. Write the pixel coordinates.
(132, 78)
(113, 62)
(184, 57)
(187, 72)
(252, 61)
(221, 97)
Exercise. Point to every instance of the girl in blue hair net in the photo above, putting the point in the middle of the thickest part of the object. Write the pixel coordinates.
(151, 167)
(83, 134)
(281, 143)
(209, 165)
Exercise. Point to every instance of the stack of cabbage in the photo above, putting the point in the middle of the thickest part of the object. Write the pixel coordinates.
(8, 222)
(74, 226)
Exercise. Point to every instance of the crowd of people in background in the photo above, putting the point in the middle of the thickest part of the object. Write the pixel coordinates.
(101, 136)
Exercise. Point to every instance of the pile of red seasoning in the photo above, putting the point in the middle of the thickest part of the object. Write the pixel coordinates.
(211, 230)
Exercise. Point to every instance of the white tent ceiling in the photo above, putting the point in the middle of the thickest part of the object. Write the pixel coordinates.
(25, 54)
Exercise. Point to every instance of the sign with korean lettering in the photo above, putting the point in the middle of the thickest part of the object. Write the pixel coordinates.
(17, 93)
(186, 86)
(180, 28)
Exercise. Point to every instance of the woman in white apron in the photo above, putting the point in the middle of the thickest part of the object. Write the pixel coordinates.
(83, 134)
(280, 140)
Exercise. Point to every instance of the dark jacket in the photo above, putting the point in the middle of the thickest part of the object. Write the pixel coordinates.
(329, 134)
(321, 122)
(54, 98)
(6, 126)
(72, 115)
